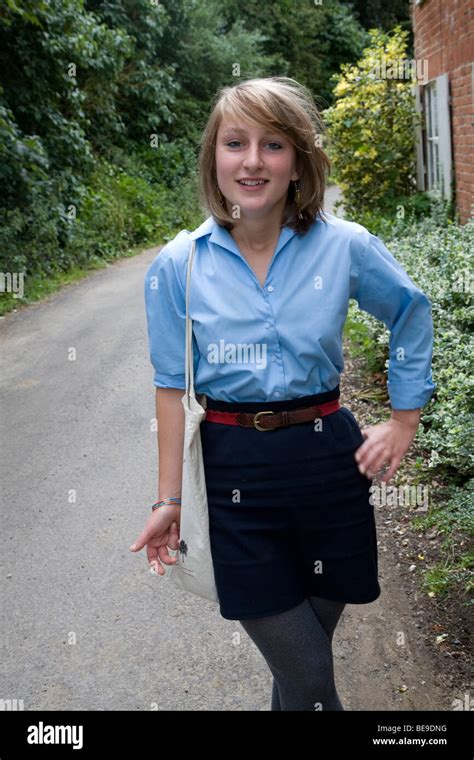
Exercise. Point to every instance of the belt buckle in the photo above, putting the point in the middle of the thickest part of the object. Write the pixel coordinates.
(255, 422)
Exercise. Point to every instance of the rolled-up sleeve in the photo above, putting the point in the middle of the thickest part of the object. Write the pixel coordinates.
(383, 289)
(166, 319)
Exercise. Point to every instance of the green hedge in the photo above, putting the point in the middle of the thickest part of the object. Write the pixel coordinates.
(436, 254)
(438, 261)
(116, 211)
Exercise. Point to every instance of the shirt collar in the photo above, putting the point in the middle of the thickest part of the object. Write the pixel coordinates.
(221, 236)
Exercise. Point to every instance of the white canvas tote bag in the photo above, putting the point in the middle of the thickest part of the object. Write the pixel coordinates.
(194, 571)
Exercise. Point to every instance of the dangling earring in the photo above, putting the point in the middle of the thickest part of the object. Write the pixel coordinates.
(221, 197)
(298, 197)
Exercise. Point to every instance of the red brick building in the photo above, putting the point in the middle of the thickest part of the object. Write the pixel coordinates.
(444, 40)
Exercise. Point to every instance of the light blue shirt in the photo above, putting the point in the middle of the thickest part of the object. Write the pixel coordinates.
(283, 340)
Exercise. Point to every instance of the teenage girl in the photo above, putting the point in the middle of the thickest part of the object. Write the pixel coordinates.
(288, 469)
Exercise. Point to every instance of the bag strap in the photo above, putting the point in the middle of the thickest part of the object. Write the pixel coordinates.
(189, 363)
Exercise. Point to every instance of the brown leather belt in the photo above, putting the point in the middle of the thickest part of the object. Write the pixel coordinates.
(268, 420)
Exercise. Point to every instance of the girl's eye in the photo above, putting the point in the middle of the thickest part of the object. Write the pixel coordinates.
(270, 143)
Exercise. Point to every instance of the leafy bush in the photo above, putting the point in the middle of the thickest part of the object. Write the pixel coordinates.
(117, 211)
(29, 241)
(453, 519)
(438, 260)
(122, 211)
(437, 255)
(370, 128)
(435, 212)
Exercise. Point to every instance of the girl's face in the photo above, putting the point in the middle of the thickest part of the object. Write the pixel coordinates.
(244, 151)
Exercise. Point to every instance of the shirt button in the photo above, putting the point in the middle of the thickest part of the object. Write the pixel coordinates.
(270, 288)
(277, 393)
(267, 324)
(274, 358)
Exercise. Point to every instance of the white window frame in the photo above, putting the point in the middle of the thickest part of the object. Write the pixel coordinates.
(433, 143)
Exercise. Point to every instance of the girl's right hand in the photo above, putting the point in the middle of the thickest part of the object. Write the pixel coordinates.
(161, 532)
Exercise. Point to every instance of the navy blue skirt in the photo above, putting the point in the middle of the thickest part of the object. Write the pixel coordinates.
(289, 512)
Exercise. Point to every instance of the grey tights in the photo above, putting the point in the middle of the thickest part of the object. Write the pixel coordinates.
(297, 647)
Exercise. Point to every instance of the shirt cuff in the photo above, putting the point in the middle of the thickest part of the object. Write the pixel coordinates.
(161, 380)
(410, 395)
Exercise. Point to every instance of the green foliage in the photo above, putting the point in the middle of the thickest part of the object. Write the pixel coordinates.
(118, 210)
(372, 13)
(371, 129)
(306, 40)
(168, 164)
(127, 210)
(23, 160)
(434, 211)
(438, 260)
(453, 518)
(362, 343)
(29, 242)
(436, 253)
(46, 64)
(102, 103)
(145, 87)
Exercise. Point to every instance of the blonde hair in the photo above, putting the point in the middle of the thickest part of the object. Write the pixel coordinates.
(281, 104)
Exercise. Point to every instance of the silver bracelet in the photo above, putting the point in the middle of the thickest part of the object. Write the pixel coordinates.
(172, 501)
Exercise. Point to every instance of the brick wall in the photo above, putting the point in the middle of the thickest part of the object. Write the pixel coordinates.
(444, 36)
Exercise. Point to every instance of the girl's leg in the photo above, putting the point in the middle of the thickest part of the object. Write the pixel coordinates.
(296, 645)
(328, 613)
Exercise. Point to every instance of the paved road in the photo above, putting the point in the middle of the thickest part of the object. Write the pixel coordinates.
(332, 195)
(84, 624)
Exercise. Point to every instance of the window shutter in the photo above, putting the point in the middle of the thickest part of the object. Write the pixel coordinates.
(420, 159)
(444, 127)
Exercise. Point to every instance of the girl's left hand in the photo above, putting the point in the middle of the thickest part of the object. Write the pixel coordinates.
(386, 443)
